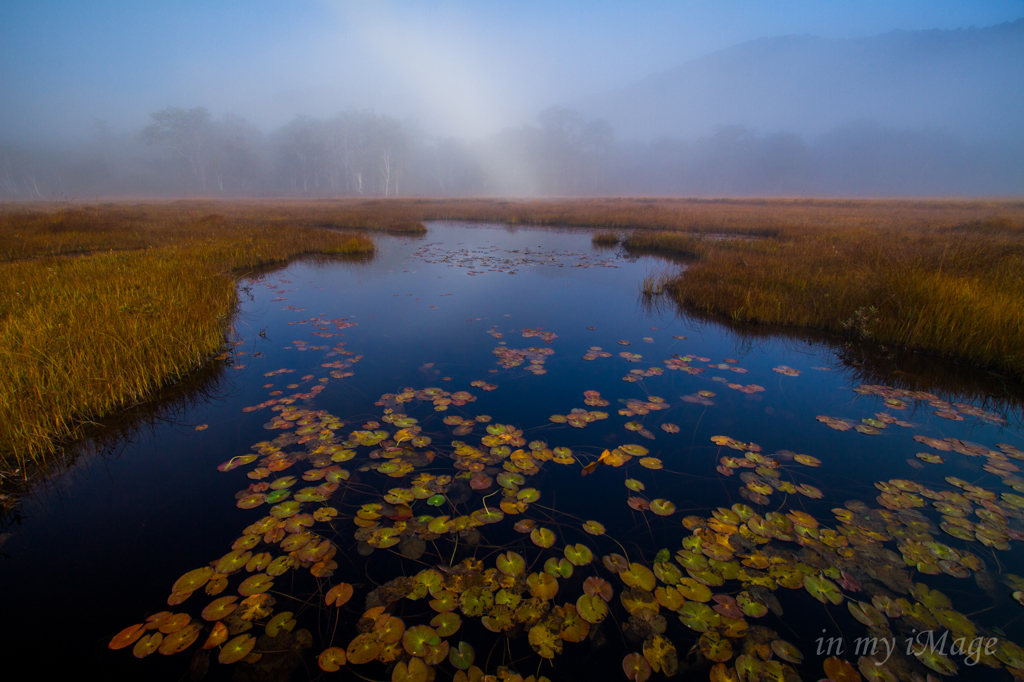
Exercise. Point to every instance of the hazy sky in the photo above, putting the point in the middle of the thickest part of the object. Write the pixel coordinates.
(460, 68)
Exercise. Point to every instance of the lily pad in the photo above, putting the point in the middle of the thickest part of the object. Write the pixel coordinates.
(462, 656)
(339, 594)
(331, 659)
(636, 667)
(578, 554)
(542, 537)
(237, 649)
(418, 640)
(220, 608)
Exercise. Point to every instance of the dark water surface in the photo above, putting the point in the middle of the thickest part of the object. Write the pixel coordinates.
(99, 548)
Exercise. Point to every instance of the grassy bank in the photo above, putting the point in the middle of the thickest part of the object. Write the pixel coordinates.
(100, 307)
(956, 291)
(100, 304)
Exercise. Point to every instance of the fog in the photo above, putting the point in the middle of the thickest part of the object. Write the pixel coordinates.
(334, 98)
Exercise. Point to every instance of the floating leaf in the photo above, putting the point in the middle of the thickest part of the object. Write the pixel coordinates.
(593, 528)
(363, 648)
(528, 495)
(339, 594)
(787, 651)
(128, 636)
(283, 621)
(638, 503)
(809, 491)
(698, 616)
(636, 667)
(558, 568)
(256, 607)
(418, 640)
(545, 641)
(751, 606)
(822, 589)
(218, 635)
(331, 659)
(543, 586)
(413, 671)
(237, 649)
(193, 580)
(220, 608)
(598, 586)
(592, 608)
(574, 628)
(721, 672)
(147, 644)
(462, 657)
(715, 647)
(446, 624)
(662, 507)
(174, 623)
(233, 561)
(542, 537)
(578, 554)
(255, 584)
(640, 576)
(511, 564)
(840, 670)
(488, 515)
(180, 640)
(866, 614)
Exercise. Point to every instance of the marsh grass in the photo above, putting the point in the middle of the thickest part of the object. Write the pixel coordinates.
(96, 311)
(99, 305)
(657, 283)
(953, 291)
(605, 238)
(683, 244)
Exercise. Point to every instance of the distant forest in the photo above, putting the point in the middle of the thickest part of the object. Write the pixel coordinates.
(188, 152)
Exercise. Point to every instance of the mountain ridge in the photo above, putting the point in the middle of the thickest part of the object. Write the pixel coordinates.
(966, 81)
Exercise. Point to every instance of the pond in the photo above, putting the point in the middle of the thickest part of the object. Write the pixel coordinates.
(485, 450)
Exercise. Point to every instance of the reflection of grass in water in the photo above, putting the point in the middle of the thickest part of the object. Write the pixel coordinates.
(656, 283)
(83, 336)
(106, 439)
(653, 287)
(862, 361)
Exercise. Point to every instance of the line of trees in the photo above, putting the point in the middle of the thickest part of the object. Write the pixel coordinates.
(188, 152)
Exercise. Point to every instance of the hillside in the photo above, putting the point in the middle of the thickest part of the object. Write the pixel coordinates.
(967, 82)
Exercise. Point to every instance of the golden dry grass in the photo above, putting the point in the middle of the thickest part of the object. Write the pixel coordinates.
(606, 238)
(956, 291)
(100, 308)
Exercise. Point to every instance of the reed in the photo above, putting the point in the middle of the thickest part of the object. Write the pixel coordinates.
(94, 315)
(657, 283)
(664, 242)
(605, 238)
(956, 292)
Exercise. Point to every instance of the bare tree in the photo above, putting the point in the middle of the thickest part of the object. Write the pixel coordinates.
(187, 132)
(391, 146)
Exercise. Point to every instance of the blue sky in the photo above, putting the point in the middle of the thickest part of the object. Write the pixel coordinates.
(464, 68)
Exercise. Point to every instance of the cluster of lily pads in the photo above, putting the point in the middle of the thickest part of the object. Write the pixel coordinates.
(413, 492)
